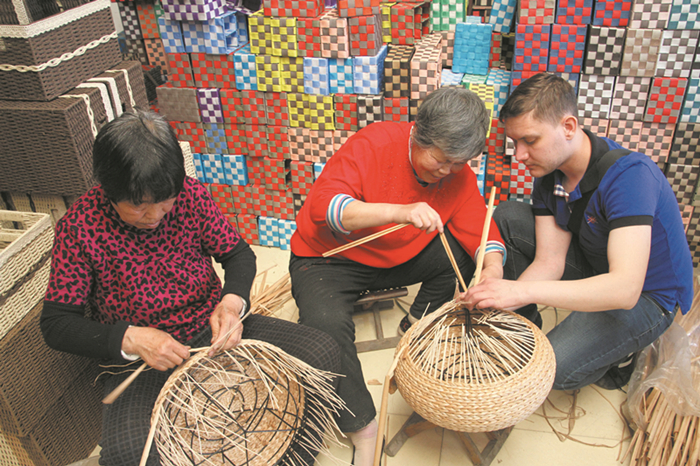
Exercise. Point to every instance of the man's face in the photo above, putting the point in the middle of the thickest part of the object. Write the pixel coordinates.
(540, 145)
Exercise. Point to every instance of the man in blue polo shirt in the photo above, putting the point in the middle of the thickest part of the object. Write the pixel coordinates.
(603, 237)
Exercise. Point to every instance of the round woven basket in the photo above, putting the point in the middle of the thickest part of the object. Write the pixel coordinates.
(232, 409)
(479, 378)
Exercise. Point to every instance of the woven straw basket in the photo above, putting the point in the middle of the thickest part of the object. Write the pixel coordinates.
(451, 392)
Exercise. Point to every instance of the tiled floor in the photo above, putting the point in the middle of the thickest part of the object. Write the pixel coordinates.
(589, 437)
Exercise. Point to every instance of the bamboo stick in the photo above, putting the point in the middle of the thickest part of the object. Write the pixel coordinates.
(364, 240)
(451, 256)
(484, 237)
(383, 409)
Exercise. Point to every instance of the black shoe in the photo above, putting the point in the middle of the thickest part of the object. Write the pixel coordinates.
(404, 325)
(619, 374)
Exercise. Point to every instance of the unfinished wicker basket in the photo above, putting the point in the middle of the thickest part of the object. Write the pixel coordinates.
(479, 380)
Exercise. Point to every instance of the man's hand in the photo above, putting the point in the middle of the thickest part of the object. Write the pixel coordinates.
(156, 347)
(495, 293)
(226, 325)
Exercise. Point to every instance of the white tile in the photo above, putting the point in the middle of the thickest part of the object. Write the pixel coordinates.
(422, 449)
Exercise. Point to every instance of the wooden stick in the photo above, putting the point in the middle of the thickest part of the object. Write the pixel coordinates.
(443, 238)
(364, 240)
(484, 237)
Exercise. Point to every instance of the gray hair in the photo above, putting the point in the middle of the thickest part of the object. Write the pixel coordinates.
(454, 120)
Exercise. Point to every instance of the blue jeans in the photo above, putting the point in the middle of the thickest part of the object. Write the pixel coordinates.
(586, 344)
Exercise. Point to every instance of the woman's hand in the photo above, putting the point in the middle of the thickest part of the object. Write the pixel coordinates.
(421, 216)
(156, 347)
(226, 324)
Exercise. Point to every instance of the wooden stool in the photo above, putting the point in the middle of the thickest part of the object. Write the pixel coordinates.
(375, 301)
(416, 424)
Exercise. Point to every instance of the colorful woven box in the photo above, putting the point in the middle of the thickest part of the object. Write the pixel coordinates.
(501, 15)
(369, 109)
(396, 109)
(260, 34)
(222, 197)
(292, 70)
(691, 106)
(309, 37)
(365, 35)
(397, 71)
(276, 174)
(197, 162)
(248, 228)
(316, 76)
(355, 8)
(178, 104)
(296, 104)
(450, 78)
(495, 142)
(536, 12)
(595, 95)
(148, 20)
(445, 14)
(256, 139)
(293, 8)
(256, 179)
(340, 77)
(286, 230)
(281, 204)
(498, 175)
(213, 70)
(566, 50)
(193, 133)
(254, 107)
(496, 51)
(656, 141)
(665, 100)
(300, 148)
(302, 176)
(516, 77)
(531, 47)
(277, 112)
(268, 228)
(193, 10)
(409, 21)
(650, 14)
(242, 199)
(268, 70)
(500, 80)
(318, 169)
(685, 141)
(236, 138)
(278, 142)
(485, 93)
(614, 13)
(345, 106)
(320, 114)
(231, 106)
(627, 133)
(426, 66)
(155, 53)
(597, 126)
(521, 180)
(339, 138)
(641, 52)
(604, 51)
(210, 105)
(385, 13)
(235, 170)
(630, 98)
(283, 34)
(368, 73)
(676, 53)
(215, 139)
(213, 168)
(245, 69)
(136, 50)
(472, 48)
(448, 48)
(216, 36)
(171, 35)
(574, 11)
(684, 15)
(683, 179)
(130, 20)
(322, 145)
(335, 38)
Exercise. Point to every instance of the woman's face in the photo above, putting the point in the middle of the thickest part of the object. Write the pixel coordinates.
(432, 164)
(146, 215)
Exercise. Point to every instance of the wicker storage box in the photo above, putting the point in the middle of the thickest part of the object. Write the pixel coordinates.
(27, 11)
(25, 265)
(43, 60)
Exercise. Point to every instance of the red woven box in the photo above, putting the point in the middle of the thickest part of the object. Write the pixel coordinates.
(302, 176)
(256, 176)
(276, 173)
(309, 37)
(242, 200)
(256, 138)
(352, 8)
(248, 228)
(293, 8)
(300, 147)
(276, 109)
(345, 112)
(211, 71)
(409, 21)
(232, 106)
(253, 106)
(180, 70)
(365, 35)
(222, 196)
(282, 204)
(278, 142)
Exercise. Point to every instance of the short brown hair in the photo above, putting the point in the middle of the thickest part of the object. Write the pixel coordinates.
(548, 96)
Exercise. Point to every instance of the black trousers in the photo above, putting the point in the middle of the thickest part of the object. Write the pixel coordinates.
(326, 289)
(127, 421)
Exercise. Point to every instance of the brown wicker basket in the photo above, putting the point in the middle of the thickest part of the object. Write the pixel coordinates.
(43, 60)
(27, 11)
(449, 386)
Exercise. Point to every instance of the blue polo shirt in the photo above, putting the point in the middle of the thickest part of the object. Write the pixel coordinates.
(633, 191)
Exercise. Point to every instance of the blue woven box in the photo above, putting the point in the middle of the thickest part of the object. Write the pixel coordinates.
(500, 80)
(340, 75)
(472, 48)
(216, 36)
(244, 68)
(212, 168)
(316, 76)
(368, 73)
(171, 35)
(268, 228)
(286, 229)
(235, 169)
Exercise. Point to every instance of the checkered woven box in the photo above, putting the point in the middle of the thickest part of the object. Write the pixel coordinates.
(248, 228)
(283, 34)
(293, 8)
(278, 142)
(254, 107)
(300, 148)
(693, 229)
(197, 163)
(574, 11)
(614, 13)
(256, 178)
(445, 14)
(627, 133)
(656, 142)
(130, 20)
(282, 204)
(684, 15)
(345, 106)
(235, 169)
(597, 126)
(691, 106)
(155, 53)
(213, 168)
(242, 199)
(472, 48)
(368, 73)
(426, 67)
(215, 36)
(136, 51)
(495, 142)
(322, 145)
(501, 15)
(450, 78)
(259, 34)
(215, 139)
(521, 180)
(193, 10)
(595, 95)
(397, 71)
(630, 98)
(292, 71)
(665, 100)
(516, 77)
(298, 202)
(685, 142)
(277, 175)
(507, 50)
(302, 176)
(316, 76)
(262, 200)
(448, 43)
(396, 109)
(650, 14)
(683, 179)
(222, 197)
(531, 47)
(171, 35)
(641, 52)
(286, 230)
(335, 39)
(309, 37)
(178, 104)
(385, 13)
(296, 104)
(408, 22)
(339, 138)
(676, 53)
(256, 139)
(485, 93)
(213, 70)
(244, 68)
(566, 49)
(231, 106)
(686, 214)
(277, 112)
(604, 50)
(355, 8)
(340, 77)
(369, 110)
(236, 138)
(496, 51)
(498, 175)
(193, 133)
(536, 12)
(318, 169)
(148, 20)
(320, 112)
(500, 80)
(572, 78)
(365, 34)
(269, 73)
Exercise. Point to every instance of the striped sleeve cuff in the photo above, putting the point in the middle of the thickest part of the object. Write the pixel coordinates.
(334, 214)
(492, 246)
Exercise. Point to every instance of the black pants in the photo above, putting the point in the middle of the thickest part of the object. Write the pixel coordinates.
(127, 421)
(326, 289)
